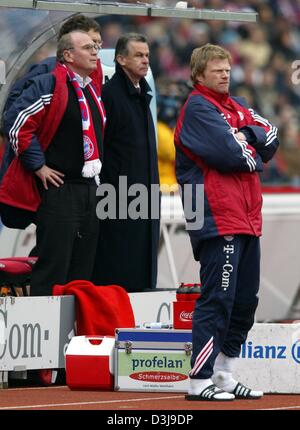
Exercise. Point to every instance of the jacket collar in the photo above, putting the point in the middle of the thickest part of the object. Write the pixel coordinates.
(83, 82)
(145, 88)
(220, 98)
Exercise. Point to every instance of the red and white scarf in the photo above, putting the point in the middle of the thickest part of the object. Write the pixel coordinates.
(92, 164)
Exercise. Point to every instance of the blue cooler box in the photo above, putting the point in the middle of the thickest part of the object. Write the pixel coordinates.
(152, 360)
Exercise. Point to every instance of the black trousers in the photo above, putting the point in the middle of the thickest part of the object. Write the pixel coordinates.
(67, 232)
(224, 313)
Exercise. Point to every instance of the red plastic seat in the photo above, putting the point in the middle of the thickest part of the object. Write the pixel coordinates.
(29, 260)
(15, 273)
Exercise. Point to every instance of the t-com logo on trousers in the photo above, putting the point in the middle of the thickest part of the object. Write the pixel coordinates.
(227, 267)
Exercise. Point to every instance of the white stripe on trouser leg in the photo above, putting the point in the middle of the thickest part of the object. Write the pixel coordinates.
(202, 357)
(196, 369)
(203, 352)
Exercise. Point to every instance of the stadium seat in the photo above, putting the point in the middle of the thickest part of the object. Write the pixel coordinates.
(15, 272)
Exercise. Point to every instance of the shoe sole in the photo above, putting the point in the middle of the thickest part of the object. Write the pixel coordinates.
(194, 397)
(248, 397)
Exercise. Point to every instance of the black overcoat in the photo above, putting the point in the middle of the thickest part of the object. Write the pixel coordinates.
(127, 249)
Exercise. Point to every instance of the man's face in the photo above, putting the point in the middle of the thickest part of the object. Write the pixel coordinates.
(96, 37)
(82, 58)
(136, 62)
(216, 76)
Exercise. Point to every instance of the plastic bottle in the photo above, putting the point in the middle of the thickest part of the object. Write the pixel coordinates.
(195, 292)
(188, 292)
(181, 292)
(157, 325)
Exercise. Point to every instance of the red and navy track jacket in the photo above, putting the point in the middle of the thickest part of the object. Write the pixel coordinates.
(45, 66)
(208, 153)
(33, 120)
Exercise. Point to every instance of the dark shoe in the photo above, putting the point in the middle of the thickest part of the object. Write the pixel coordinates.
(211, 393)
(242, 392)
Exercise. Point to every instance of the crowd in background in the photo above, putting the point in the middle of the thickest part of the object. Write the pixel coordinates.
(265, 59)
(264, 69)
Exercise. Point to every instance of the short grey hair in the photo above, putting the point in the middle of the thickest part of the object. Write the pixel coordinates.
(64, 43)
(122, 43)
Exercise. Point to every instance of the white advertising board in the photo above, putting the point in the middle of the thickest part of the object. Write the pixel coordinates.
(34, 332)
(153, 307)
(270, 358)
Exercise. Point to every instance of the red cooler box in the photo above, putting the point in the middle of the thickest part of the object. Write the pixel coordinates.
(183, 308)
(89, 362)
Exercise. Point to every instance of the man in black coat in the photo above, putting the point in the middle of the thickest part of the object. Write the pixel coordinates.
(127, 247)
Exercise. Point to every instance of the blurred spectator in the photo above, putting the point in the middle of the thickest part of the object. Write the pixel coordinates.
(170, 97)
(113, 32)
(166, 156)
(276, 171)
(167, 110)
(255, 46)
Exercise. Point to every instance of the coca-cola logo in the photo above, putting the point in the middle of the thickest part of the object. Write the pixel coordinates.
(186, 316)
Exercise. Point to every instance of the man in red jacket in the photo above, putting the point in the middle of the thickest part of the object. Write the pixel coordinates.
(56, 132)
(17, 217)
(221, 145)
(76, 22)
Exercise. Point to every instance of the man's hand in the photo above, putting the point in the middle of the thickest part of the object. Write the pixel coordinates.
(46, 174)
(240, 136)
